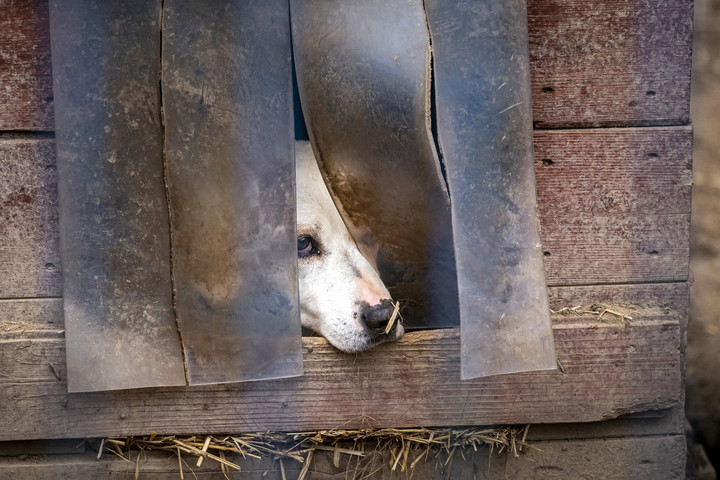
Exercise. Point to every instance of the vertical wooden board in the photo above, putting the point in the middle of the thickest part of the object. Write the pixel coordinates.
(227, 96)
(26, 96)
(121, 330)
(606, 63)
(29, 251)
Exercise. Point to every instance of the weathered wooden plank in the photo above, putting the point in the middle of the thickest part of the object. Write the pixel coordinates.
(589, 250)
(45, 314)
(29, 250)
(152, 465)
(657, 422)
(624, 62)
(618, 459)
(648, 458)
(26, 97)
(614, 206)
(18, 316)
(668, 295)
(592, 63)
(614, 172)
(610, 370)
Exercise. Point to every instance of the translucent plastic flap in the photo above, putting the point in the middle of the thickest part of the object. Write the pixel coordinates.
(176, 171)
(115, 244)
(363, 70)
(364, 76)
(484, 116)
(227, 88)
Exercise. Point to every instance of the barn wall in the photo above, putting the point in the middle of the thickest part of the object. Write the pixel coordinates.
(615, 209)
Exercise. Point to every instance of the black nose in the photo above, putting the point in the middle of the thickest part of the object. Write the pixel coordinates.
(376, 317)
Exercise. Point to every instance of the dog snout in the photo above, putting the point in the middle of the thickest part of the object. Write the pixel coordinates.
(376, 317)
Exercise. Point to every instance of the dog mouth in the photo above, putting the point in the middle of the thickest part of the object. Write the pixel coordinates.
(364, 339)
(373, 338)
(366, 328)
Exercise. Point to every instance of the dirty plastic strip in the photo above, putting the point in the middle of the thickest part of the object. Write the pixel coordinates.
(227, 97)
(120, 326)
(363, 71)
(484, 123)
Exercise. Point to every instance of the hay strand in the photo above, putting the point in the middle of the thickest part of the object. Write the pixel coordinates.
(403, 448)
(182, 476)
(306, 465)
(204, 449)
(393, 317)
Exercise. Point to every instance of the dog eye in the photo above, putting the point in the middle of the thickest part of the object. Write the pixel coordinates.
(306, 246)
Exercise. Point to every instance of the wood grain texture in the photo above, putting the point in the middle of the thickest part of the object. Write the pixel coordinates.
(672, 295)
(41, 315)
(606, 203)
(603, 63)
(26, 97)
(29, 246)
(610, 370)
(614, 207)
(648, 458)
(614, 204)
(656, 422)
(624, 62)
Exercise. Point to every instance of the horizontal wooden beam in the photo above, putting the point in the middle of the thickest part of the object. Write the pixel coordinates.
(614, 207)
(614, 204)
(29, 230)
(610, 63)
(592, 63)
(634, 457)
(608, 368)
(43, 317)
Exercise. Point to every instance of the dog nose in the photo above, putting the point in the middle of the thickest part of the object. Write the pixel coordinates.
(376, 317)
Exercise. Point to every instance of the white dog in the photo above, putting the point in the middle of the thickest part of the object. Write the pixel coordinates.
(341, 295)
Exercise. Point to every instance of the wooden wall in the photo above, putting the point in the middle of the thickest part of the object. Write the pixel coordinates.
(611, 85)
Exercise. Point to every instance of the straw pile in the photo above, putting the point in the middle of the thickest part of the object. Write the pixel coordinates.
(401, 449)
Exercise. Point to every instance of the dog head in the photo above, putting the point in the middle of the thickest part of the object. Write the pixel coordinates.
(341, 295)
